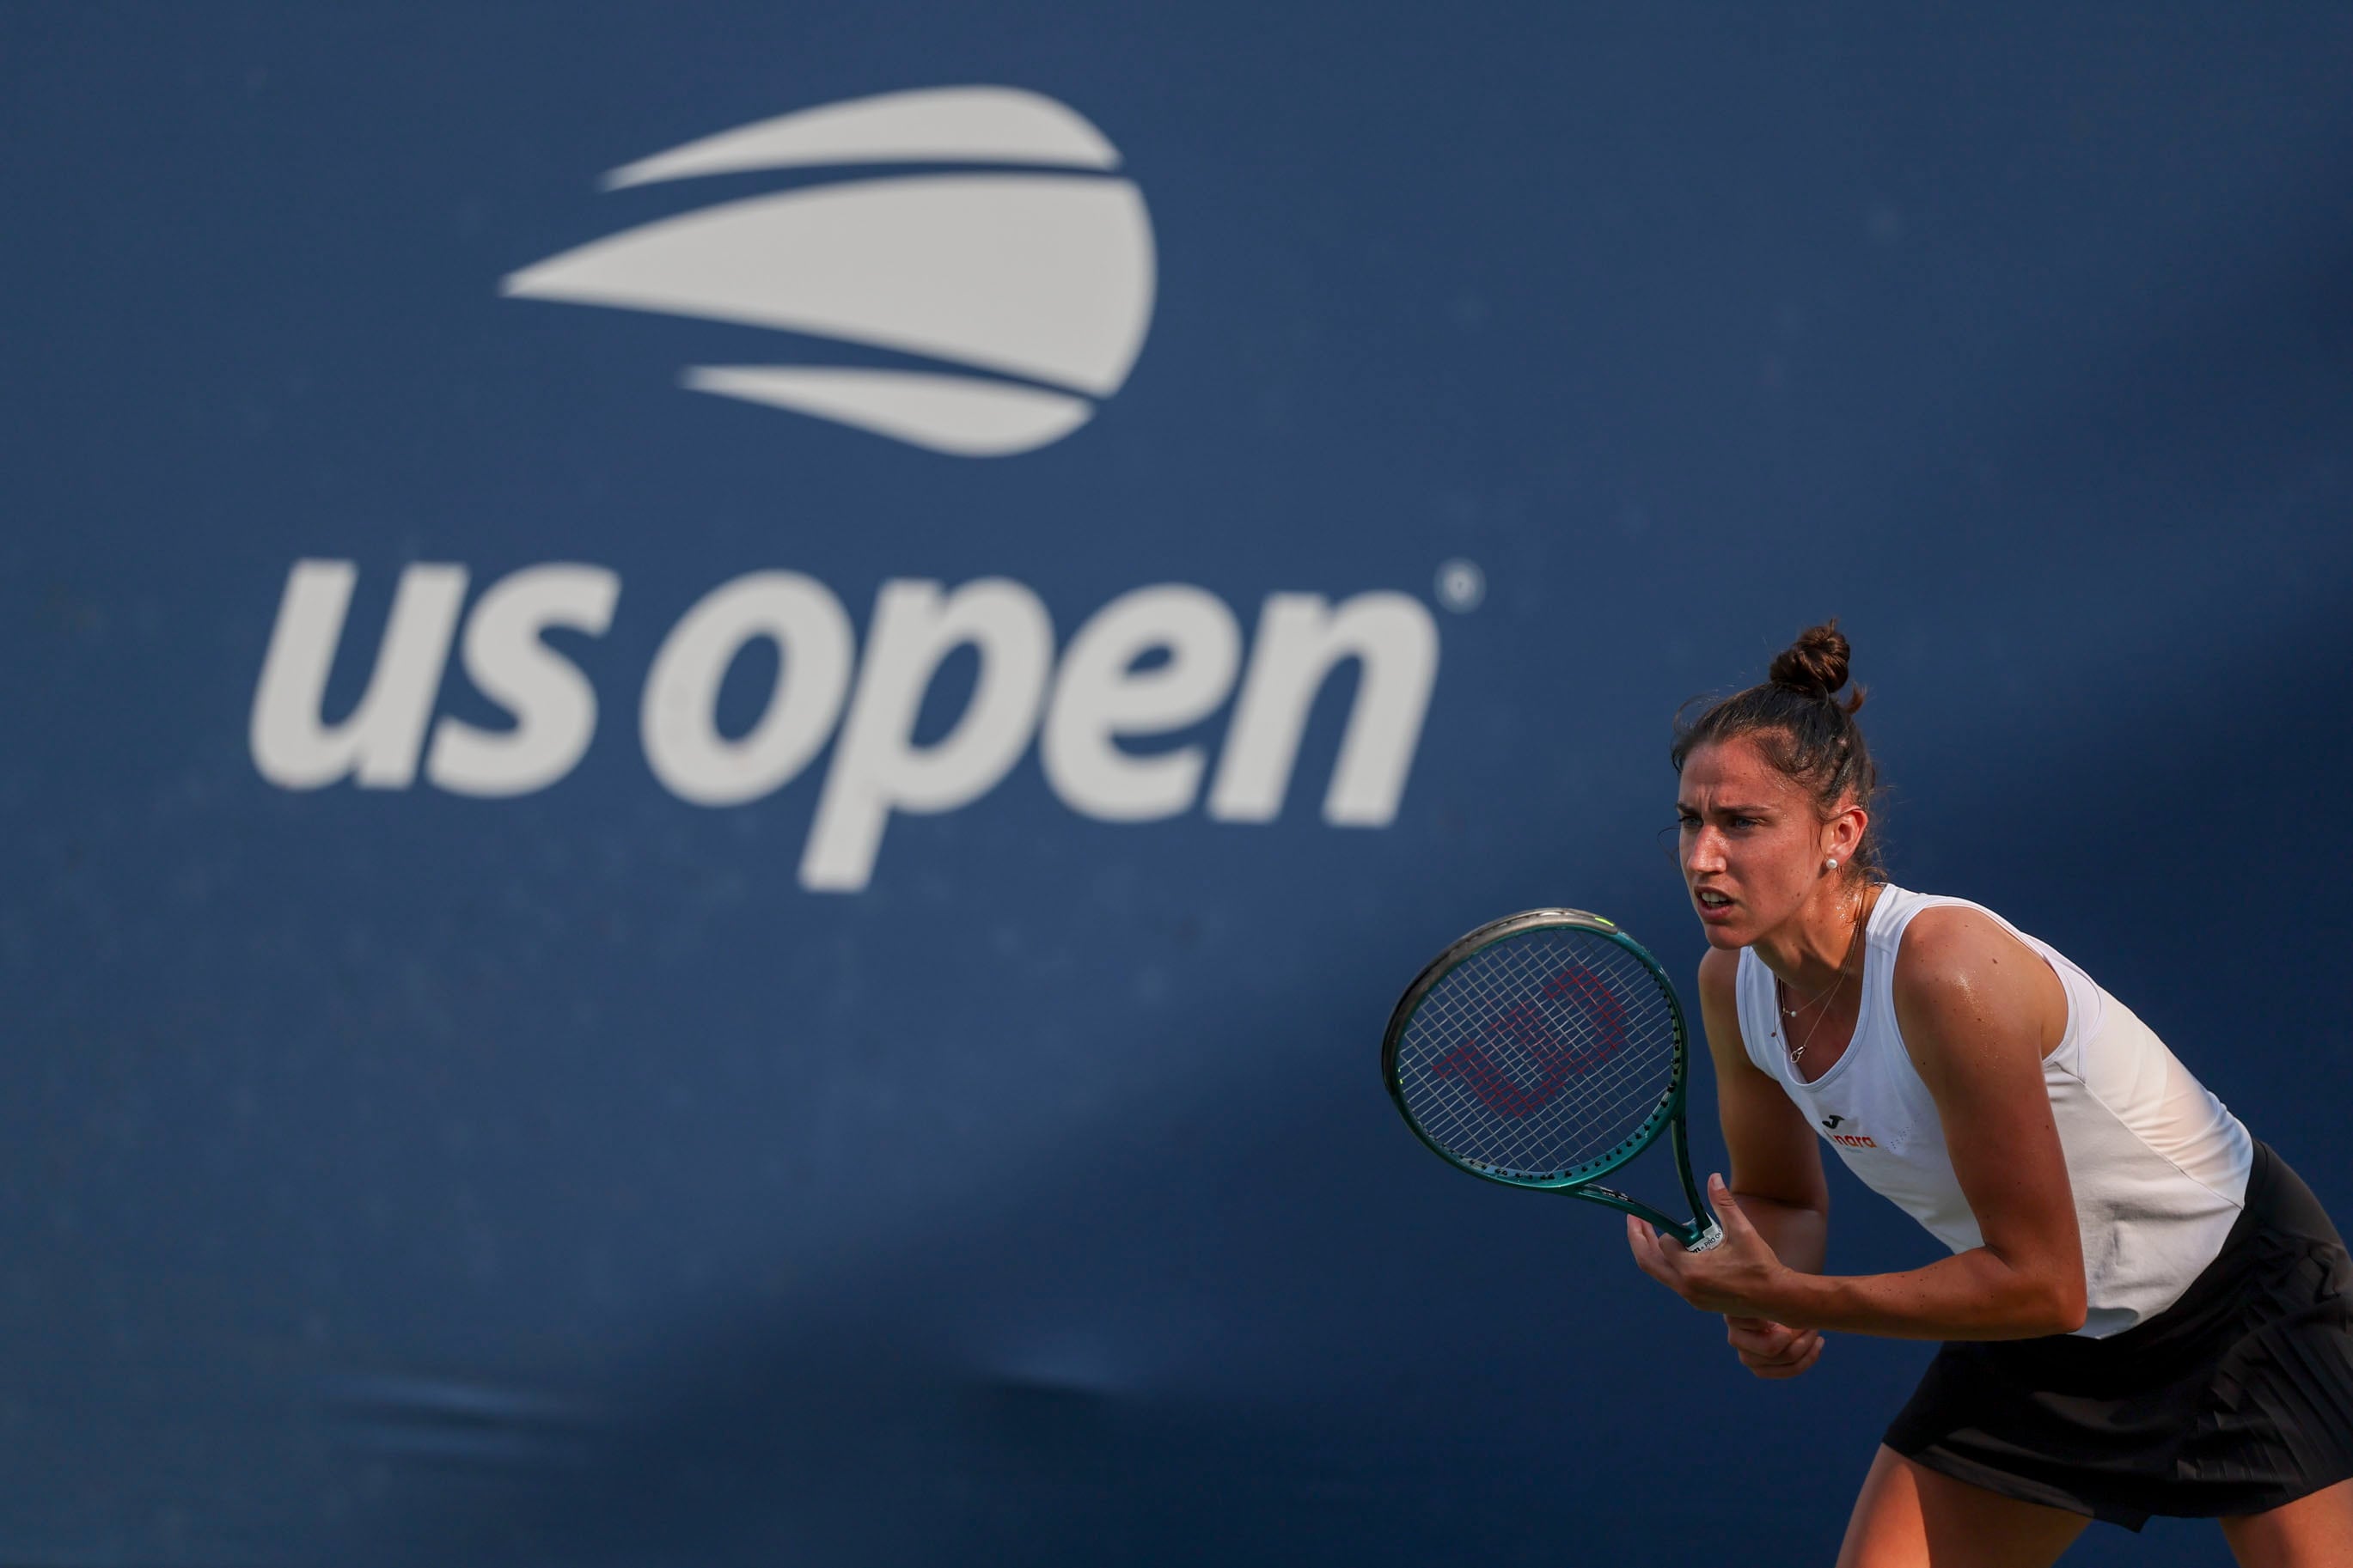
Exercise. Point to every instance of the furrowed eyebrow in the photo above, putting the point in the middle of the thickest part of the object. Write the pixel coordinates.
(1728, 810)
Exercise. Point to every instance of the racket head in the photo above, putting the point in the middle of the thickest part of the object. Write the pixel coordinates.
(1545, 1050)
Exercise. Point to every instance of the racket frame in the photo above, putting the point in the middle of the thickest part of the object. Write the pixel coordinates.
(1580, 1180)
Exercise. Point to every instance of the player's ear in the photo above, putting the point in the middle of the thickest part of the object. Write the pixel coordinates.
(1842, 834)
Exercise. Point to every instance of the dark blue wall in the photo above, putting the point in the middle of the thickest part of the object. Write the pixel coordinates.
(394, 1172)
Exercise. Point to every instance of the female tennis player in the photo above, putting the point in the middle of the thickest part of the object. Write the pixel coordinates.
(2145, 1312)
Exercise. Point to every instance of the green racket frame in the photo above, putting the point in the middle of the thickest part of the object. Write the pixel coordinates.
(1582, 1180)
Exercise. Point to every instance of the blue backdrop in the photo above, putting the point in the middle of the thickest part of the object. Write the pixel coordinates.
(396, 1169)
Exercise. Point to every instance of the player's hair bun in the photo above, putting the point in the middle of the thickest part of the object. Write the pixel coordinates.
(1816, 665)
(1805, 731)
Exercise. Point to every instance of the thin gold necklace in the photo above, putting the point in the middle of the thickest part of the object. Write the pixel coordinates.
(1782, 993)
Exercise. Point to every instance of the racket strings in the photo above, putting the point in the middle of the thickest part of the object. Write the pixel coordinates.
(1540, 1053)
(1546, 1069)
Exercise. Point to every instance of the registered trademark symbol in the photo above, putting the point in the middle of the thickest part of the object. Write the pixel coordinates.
(1460, 586)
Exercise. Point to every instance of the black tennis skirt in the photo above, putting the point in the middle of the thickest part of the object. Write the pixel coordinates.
(2235, 1399)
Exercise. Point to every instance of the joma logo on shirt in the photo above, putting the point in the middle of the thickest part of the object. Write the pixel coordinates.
(1851, 1139)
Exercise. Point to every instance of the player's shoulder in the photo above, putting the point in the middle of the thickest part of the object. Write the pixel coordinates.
(1957, 956)
(1719, 992)
(1953, 942)
(1719, 973)
(1719, 1005)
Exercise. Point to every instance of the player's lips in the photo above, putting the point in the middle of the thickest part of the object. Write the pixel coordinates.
(1712, 911)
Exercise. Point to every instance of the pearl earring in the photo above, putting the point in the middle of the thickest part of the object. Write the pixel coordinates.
(1833, 863)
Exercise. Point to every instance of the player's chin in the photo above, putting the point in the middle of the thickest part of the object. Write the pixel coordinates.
(1723, 933)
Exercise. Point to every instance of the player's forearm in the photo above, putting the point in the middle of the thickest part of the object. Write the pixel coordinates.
(1799, 1235)
(1972, 1295)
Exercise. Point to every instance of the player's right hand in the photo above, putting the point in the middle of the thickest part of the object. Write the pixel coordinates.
(1771, 1349)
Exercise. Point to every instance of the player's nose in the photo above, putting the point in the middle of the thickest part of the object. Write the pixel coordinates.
(1703, 850)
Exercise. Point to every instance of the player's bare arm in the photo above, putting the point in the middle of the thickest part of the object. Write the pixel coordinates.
(1776, 1162)
(1978, 1020)
(1776, 1171)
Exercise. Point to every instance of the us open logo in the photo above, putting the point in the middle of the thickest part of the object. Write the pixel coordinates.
(1026, 295)
(1031, 285)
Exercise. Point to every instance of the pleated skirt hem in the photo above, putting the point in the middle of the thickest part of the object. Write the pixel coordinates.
(2236, 1399)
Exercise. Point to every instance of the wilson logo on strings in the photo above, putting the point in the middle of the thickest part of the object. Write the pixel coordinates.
(1028, 286)
(1528, 1034)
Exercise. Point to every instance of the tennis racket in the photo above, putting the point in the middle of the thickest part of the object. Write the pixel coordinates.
(1545, 1050)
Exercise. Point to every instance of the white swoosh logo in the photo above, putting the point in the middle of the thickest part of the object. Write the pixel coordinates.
(1045, 276)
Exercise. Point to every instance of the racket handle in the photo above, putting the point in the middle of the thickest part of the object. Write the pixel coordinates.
(1707, 1240)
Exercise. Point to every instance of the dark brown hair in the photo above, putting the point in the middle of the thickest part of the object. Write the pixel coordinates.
(1804, 731)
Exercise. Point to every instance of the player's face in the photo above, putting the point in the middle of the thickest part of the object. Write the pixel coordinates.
(1750, 844)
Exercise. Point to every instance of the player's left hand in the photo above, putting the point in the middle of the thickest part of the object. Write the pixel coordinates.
(1741, 1276)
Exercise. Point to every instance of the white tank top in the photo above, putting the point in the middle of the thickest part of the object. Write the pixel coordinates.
(2158, 1167)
